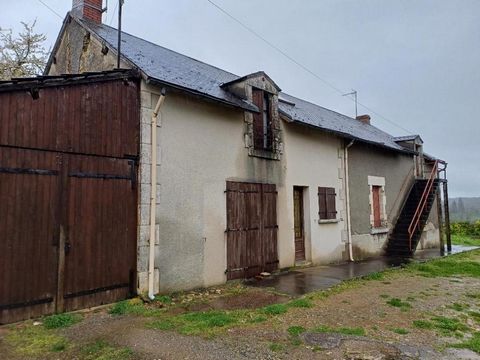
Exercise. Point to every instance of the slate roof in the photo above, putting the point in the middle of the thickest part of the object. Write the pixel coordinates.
(171, 68)
(407, 138)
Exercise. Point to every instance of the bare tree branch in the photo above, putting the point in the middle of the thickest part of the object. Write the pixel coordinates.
(23, 55)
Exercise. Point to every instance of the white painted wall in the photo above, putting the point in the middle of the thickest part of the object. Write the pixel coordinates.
(201, 146)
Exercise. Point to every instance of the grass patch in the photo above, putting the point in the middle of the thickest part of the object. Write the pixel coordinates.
(449, 326)
(276, 347)
(135, 307)
(61, 321)
(473, 295)
(164, 299)
(465, 240)
(357, 331)
(100, 350)
(401, 331)
(164, 325)
(296, 330)
(398, 303)
(465, 264)
(475, 315)
(459, 307)
(374, 276)
(275, 309)
(35, 341)
(300, 303)
(472, 344)
(423, 324)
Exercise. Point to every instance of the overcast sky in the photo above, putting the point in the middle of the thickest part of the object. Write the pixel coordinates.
(416, 62)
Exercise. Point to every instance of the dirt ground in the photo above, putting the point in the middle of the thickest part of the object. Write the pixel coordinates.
(366, 319)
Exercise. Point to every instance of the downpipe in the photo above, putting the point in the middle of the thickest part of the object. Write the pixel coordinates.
(347, 202)
(153, 195)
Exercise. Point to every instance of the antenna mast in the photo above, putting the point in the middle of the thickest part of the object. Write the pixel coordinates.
(119, 52)
(354, 93)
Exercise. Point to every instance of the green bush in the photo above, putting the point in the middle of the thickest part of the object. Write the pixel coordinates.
(465, 228)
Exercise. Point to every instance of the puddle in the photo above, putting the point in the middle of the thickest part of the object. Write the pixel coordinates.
(303, 281)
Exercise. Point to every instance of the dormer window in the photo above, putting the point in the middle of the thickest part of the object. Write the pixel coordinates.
(262, 121)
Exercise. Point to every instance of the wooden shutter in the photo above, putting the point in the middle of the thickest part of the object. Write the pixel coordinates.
(331, 206)
(326, 203)
(322, 202)
(258, 120)
(377, 219)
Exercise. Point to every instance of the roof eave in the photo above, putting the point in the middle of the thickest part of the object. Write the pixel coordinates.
(346, 135)
(245, 106)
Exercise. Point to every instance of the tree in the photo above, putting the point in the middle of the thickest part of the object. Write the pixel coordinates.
(23, 55)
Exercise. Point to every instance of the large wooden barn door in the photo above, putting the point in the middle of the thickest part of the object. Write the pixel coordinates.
(251, 229)
(100, 231)
(68, 197)
(29, 189)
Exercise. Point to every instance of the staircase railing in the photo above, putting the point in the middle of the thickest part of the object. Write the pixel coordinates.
(421, 205)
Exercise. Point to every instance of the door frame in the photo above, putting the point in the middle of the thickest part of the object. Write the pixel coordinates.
(301, 209)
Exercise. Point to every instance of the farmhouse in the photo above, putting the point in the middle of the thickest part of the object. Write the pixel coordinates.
(198, 175)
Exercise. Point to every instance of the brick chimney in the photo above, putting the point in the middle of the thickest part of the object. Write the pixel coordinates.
(88, 9)
(364, 119)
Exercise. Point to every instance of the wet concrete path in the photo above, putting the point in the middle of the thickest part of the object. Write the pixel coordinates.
(302, 281)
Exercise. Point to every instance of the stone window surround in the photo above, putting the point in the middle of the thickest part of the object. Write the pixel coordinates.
(378, 181)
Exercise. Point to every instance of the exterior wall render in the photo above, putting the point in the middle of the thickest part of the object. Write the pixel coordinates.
(398, 171)
(201, 146)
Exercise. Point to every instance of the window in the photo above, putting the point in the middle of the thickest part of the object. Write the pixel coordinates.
(262, 122)
(378, 218)
(377, 215)
(326, 203)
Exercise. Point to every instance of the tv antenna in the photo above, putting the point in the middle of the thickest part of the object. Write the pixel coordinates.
(354, 93)
(120, 5)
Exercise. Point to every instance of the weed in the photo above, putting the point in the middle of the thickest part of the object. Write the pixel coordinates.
(301, 303)
(384, 296)
(275, 309)
(358, 331)
(374, 276)
(475, 315)
(61, 320)
(35, 341)
(295, 341)
(120, 308)
(423, 324)
(100, 350)
(449, 326)
(258, 319)
(401, 331)
(410, 298)
(161, 325)
(296, 330)
(276, 347)
(396, 302)
(134, 306)
(473, 295)
(165, 299)
(459, 307)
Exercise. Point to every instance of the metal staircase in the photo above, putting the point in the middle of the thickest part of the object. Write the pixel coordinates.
(409, 227)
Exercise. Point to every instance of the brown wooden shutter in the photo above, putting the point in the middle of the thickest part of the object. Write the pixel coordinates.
(322, 202)
(258, 119)
(331, 206)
